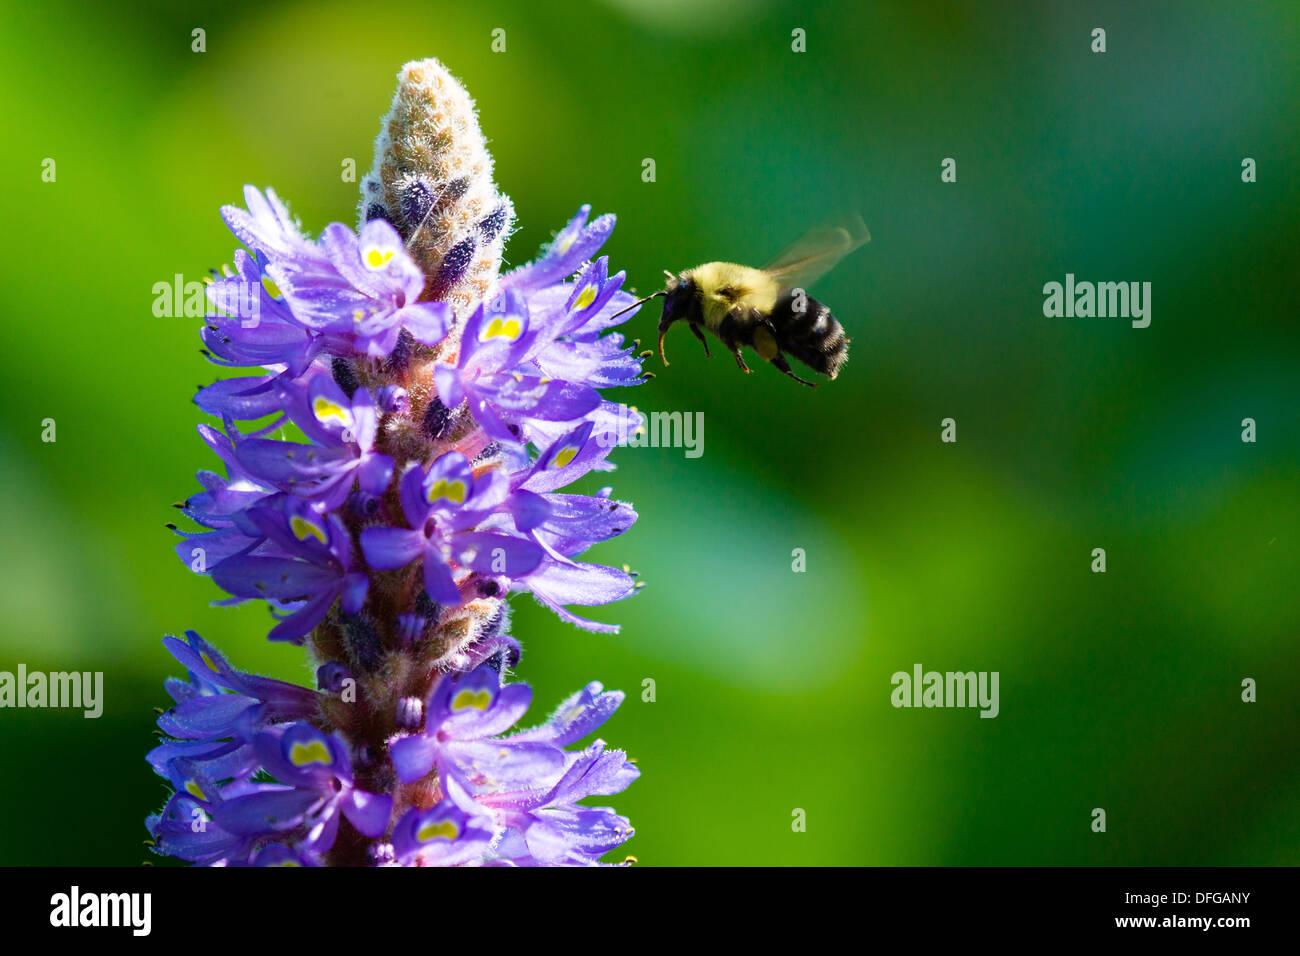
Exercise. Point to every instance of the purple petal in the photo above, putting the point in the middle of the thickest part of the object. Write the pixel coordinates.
(576, 717)
(203, 717)
(438, 580)
(387, 549)
(300, 623)
(588, 584)
(368, 812)
(490, 552)
(374, 473)
(428, 322)
(505, 763)
(411, 493)
(413, 757)
(258, 813)
(281, 578)
(285, 462)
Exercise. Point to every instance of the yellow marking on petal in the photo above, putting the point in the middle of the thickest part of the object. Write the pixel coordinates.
(565, 456)
(285, 863)
(209, 661)
(378, 258)
(478, 699)
(194, 790)
(271, 288)
(503, 328)
(585, 298)
(325, 410)
(358, 315)
(565, 244)
(303, 529)
(445, 830)
(451, 490)
(314, 752)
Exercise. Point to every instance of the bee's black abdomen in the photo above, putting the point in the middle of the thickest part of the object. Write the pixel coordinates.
(806, 330)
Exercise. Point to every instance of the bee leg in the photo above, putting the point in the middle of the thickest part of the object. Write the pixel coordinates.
(780, 362)
(735, 350)
(703, 341)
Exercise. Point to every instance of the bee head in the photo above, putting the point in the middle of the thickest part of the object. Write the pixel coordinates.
(679, 292)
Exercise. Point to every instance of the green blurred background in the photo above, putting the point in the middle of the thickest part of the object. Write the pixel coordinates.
(1118, 690)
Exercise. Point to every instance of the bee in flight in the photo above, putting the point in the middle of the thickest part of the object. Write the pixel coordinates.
(767, 309)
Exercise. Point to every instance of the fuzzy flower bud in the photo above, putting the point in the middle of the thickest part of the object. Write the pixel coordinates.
(432, 179)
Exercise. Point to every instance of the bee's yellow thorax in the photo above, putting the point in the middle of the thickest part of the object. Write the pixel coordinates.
(724, 286)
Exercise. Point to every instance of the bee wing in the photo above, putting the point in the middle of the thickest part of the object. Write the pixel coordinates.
(813, 255)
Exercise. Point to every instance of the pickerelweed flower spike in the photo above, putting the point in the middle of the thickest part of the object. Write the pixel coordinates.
(441, 409)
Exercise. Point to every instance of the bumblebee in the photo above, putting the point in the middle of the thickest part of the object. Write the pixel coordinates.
(767, 309)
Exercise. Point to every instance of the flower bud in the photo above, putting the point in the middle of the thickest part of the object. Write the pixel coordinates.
(410, 713)
(432, 179)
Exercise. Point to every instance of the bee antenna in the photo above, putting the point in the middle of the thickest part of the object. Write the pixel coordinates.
(652, 295)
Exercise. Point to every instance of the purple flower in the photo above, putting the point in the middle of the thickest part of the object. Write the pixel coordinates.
(527, 782)
(343, 449)
(318, 774)
(454, 831)
(493, 376)
(550, 828)
(256, 783)
(355, 292)
(393, 467)
(572, 246)
(360, 291)
(443, 507)
(308, 566)
(218, 703)
(461, 716)
(250, 326)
